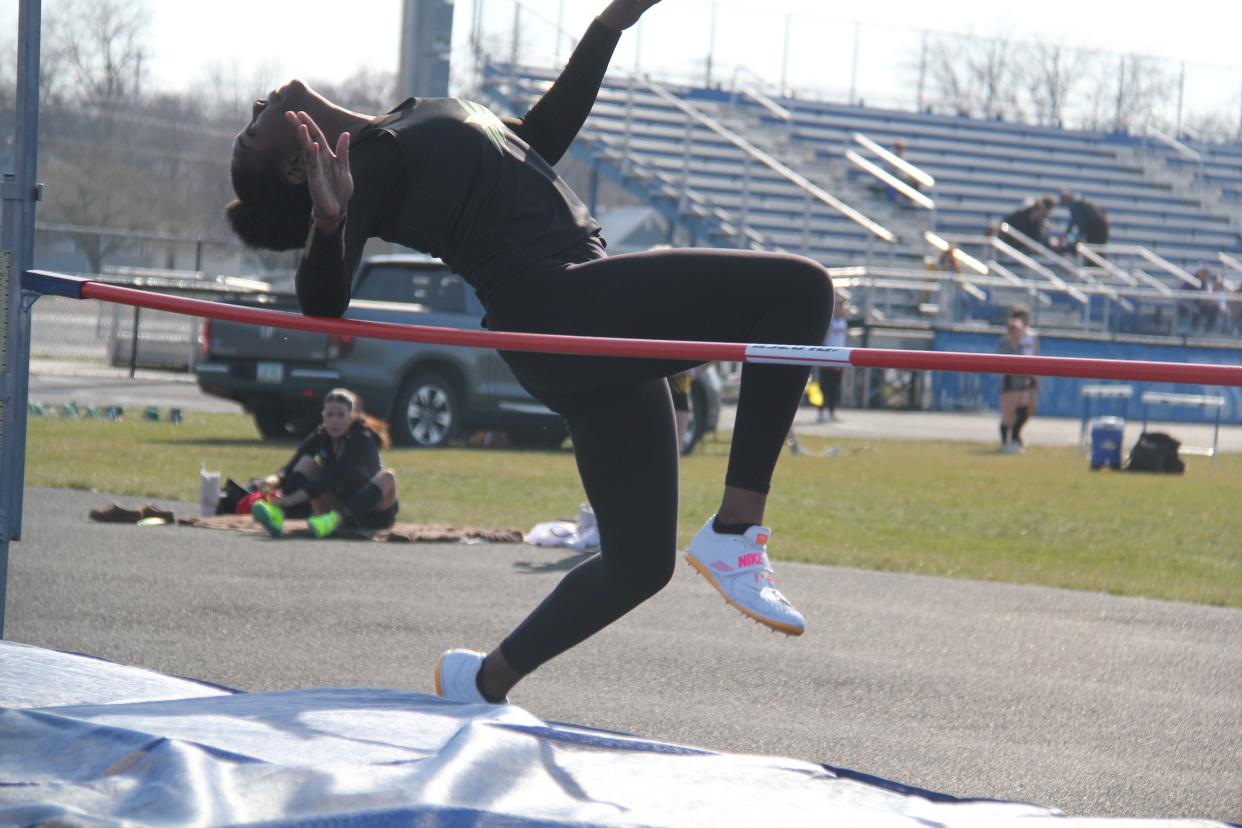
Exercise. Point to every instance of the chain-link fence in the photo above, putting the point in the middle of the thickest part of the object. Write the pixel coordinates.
(101, 339)
(91, 338)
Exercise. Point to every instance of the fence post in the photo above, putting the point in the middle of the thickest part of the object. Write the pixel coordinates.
(133, 345)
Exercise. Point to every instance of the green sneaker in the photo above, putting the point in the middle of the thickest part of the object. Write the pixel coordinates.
(270, 515)
(323, 525)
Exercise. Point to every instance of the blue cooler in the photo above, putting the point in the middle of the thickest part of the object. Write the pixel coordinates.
(1107, 434)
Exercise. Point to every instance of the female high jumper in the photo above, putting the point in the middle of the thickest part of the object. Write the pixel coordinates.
(448, 177)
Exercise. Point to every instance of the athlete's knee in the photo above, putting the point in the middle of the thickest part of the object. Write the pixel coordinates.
(386, 480)
(643, 580)
(814, 293)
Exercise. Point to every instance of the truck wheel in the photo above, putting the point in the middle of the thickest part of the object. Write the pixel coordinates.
(546, 435)
(272, 424)
(427, 413)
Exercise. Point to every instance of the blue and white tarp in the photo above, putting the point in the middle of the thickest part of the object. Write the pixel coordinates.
(88, 742)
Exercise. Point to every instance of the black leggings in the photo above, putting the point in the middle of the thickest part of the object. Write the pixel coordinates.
(620, 413)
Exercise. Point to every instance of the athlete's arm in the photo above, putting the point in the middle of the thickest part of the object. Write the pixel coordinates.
(552, 123)
(335, 246)
(309, 445)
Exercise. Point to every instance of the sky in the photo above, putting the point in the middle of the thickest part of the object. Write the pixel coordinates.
(273, 40)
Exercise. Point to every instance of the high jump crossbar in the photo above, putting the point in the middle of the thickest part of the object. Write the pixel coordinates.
(57, 284)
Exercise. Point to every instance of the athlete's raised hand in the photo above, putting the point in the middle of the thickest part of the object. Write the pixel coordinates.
(621, 14)
(327, 174)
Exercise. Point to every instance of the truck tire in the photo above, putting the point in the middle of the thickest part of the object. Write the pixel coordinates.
(273, 424)
(427, 413)
(544, 435)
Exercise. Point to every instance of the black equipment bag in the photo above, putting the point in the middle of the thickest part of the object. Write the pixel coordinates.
(1155, 452)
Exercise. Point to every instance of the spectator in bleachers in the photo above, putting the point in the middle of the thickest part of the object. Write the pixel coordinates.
(1019, 392)
(1088, 221)
(1208, 306)
(1031, 220)
(1188, 308)
(948, 259)
(1222, 319)
(887, 190)
(899, 150)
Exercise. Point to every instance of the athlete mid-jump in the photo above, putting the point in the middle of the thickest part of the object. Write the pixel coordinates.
(448, 177)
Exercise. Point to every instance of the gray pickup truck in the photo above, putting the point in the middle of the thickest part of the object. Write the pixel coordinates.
(429, 394)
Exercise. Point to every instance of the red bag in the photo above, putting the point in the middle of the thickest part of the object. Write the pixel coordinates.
(244, 504)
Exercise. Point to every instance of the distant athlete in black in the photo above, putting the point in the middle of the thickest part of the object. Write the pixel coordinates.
(448, 177)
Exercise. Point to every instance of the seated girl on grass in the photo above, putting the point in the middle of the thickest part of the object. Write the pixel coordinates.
(338, 471)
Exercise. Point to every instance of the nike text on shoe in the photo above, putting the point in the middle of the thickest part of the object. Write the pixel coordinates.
(457, 674)
(738, 567)
(270, 516)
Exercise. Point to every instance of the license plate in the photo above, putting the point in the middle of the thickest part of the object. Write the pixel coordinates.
(270, 372)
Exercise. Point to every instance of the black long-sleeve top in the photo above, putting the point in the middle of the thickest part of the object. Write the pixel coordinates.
(1084, 213)
(449, 178)
(1023, 220)
(345, 470)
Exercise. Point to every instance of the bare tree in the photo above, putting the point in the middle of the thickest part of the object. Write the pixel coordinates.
(975, 74)
(1214, 126)
(222, 91)
(1131, 89)
(99, 186)
(995, 73)
(102, 44)
(946, 75)
(366, 90)
(1053, 74)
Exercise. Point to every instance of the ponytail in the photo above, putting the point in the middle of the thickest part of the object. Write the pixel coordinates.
(267, 228)
(380, 428)
(269, 212)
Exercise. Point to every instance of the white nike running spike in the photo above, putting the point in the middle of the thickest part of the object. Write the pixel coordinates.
(456, 674)
(738, 567)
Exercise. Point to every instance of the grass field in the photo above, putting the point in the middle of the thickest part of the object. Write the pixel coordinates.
(935, 508)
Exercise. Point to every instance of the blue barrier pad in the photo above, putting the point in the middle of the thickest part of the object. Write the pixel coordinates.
(109, 744)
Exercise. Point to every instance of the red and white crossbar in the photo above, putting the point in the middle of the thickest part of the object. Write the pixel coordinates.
(812, 355)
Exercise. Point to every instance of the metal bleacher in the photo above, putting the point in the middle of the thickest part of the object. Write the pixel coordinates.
(721, 187)
(739, 169)
(985, 169)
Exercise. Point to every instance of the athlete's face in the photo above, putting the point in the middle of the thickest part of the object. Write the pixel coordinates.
(268, 137)
(337, 417)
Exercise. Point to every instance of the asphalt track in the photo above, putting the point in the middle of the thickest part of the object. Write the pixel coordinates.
(1093, 704)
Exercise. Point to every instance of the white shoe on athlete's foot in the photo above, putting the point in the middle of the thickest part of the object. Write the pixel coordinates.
(738, 567)
(456, 677)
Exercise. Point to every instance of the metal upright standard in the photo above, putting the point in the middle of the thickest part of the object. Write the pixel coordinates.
(17, 231)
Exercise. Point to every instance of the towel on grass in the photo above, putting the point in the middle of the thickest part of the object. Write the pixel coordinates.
(398, 533)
